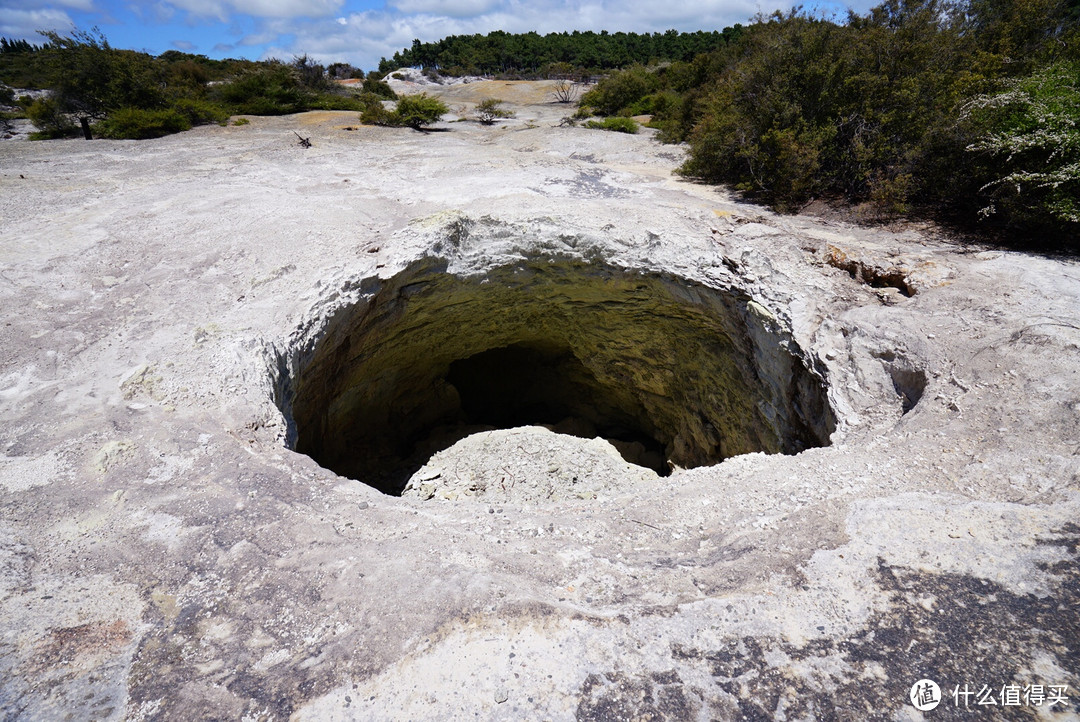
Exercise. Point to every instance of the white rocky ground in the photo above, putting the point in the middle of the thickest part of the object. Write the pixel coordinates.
(163, 555)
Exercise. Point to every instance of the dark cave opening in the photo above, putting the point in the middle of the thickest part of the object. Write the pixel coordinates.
(671, 373)
(528, 386)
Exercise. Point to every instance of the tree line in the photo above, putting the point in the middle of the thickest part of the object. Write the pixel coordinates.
(17, 46)
(964, 110)
(532, 54)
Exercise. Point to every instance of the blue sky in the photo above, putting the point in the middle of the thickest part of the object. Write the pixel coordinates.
(355, 31)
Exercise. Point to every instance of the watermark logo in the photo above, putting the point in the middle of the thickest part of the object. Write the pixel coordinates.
(925, 695)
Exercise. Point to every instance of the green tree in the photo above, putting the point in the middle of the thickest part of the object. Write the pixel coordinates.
(90, 79)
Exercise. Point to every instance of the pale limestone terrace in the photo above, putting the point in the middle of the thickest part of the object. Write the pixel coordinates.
(165, 553)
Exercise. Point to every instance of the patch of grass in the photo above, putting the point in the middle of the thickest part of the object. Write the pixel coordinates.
(614, 123)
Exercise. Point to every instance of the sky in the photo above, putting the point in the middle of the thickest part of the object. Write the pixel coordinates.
(359, 32)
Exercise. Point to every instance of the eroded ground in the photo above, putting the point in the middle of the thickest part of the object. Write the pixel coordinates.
(164, 555)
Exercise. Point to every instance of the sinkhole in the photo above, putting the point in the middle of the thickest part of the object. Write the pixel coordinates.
(672, 372)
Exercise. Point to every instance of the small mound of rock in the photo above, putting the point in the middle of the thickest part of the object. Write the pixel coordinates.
(529, 464)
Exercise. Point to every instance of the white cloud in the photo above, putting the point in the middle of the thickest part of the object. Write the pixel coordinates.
(223, 9)
(23, 23)
(46, 4)
(158, 12)
(258, 39)
(445, 8)
(184, 45)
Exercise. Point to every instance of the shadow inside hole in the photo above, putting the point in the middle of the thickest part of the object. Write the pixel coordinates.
(510, 387)
(526, 386)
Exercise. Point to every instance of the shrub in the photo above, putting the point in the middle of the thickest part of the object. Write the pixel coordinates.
(91, 78)
(416, 111)
(375, 113)
(564, 91)
(140, 124)
(7, 95)
(380, 88)
(335, 101)
(241, 121)
(200, 112)
(490, 110)
(616, 123)
(311, 75)
(1030, 133)
(49, 118)
(615, 93)
(188, 74)
(270, 89)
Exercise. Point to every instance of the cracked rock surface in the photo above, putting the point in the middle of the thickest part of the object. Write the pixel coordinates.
(165, 553)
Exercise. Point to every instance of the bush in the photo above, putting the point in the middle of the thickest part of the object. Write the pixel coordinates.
(335, 101)
(89, 79)
(7, 95)
(311, 75)
(188, 74)
(270, 89)
(200, 112)
(241, 121)
(564, 91)
(416, 111)
(140, 124)
(490, 110)
(1030, 134)
(375, 113)
(616, 123)
(616, 93)
(380, 88)
(49, 118)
